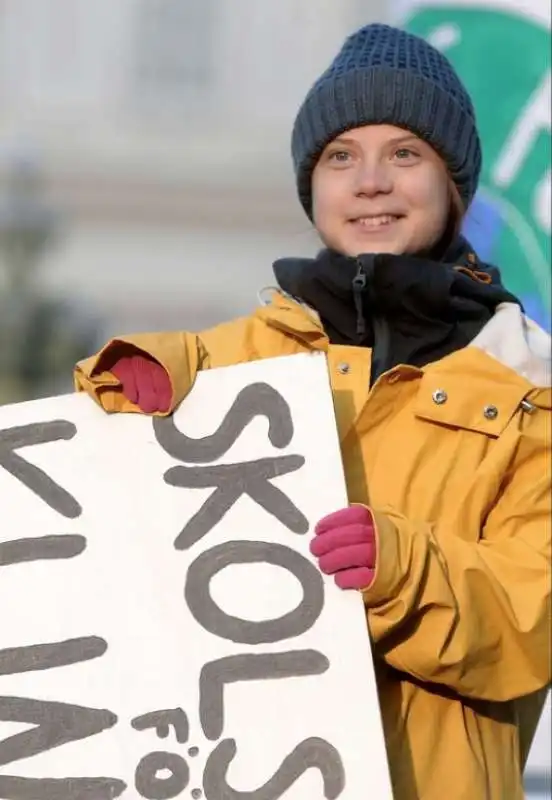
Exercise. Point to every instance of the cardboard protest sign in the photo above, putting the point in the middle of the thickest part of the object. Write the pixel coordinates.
(164, 631)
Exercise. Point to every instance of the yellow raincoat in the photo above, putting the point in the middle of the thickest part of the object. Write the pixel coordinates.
(454, 459)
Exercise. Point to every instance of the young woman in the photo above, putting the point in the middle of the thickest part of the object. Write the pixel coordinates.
(443, 403)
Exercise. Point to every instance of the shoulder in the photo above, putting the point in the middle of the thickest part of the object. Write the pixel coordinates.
(281, 326)
(226, 343)
(271, 330)
(231, 327)
(518, 343)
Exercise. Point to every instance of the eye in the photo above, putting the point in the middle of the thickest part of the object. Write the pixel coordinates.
(406, 154)
(339, 156)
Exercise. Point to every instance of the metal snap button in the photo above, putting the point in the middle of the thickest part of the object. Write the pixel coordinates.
(344, 368)
(439, 397)
(528, 406)
(490, 412)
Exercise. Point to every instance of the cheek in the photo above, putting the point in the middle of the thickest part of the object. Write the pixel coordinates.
(323, 215)
(430, 200)
(326, 202)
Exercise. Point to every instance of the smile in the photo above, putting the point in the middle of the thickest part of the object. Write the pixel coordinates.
(375, 222)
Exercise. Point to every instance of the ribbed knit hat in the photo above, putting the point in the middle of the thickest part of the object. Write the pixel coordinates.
(383, 75)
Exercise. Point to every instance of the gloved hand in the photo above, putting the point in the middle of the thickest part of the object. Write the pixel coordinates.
(345, 546)
(144, 381)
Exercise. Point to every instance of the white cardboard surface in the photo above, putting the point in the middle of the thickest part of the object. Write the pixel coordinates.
(123, 588)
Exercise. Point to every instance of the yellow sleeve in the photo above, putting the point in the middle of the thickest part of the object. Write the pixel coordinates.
(181, 354)
(474, 616)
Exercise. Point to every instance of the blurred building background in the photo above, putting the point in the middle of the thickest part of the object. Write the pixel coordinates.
(160, 132)
(145, 177)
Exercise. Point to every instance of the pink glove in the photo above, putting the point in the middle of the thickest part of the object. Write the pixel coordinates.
(345, 546)
(144, 381)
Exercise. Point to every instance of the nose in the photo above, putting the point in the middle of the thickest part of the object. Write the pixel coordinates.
(372, 178)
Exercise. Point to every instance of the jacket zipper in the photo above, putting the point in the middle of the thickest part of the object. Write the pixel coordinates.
(359, 284)
(380, 326)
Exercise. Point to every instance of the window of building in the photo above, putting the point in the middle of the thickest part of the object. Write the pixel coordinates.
(173, 52)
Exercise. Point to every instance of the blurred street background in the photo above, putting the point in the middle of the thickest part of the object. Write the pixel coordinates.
(145, 175)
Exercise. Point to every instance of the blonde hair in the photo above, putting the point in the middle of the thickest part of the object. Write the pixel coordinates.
(457, 209)
(455, 219)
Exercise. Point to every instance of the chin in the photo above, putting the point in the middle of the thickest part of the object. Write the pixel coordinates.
(364, 247)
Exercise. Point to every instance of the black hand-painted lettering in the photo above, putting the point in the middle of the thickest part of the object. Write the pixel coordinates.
(258, 399)
(249, 667)
(152, 787)
(312, 753)
(55, 724)
(37, 657)
(13, 788)
(232, 481)
(208, 614)
(42, 548)
(32, 477)
(163, 721)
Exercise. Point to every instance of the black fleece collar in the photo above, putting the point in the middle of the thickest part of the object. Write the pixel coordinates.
(424, 309)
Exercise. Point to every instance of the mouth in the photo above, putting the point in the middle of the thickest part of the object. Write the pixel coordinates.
(375, 222)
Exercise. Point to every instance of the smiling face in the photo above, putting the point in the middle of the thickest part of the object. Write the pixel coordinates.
(380, 189)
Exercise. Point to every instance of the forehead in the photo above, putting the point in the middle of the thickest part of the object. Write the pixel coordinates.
(377, 134)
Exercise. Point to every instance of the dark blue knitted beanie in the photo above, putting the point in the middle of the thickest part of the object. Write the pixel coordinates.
(386, 75)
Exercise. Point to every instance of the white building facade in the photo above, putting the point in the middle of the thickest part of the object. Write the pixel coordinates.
(163, 128)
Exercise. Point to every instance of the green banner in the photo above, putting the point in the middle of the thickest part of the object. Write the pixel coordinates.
(501, 50)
